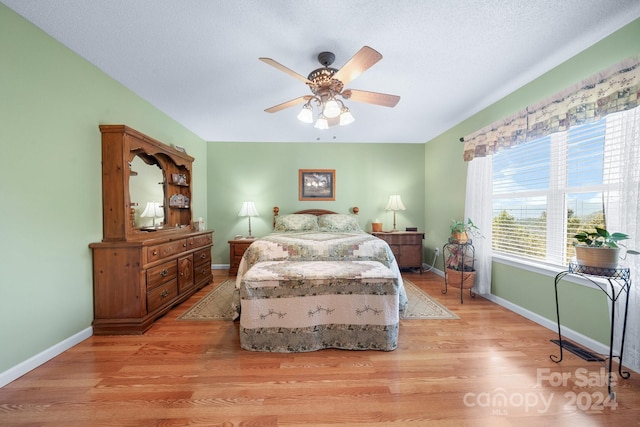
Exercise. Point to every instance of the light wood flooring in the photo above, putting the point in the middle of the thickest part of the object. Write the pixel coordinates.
(489, 368)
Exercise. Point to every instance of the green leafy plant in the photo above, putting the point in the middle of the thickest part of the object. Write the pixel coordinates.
(600, 237)
(465, 227)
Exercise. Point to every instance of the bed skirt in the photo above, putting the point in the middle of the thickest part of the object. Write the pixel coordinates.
(297, 306)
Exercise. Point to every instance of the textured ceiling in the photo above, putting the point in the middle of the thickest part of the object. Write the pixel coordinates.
(197, 60)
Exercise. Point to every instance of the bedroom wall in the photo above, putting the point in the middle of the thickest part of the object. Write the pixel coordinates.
(526, 290)
(267, 173)
(51, 103)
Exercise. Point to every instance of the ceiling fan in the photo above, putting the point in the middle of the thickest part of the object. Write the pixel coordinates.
(327, 84)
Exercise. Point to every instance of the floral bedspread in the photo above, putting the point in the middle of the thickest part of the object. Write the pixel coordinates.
(303, 296)
(322, 246)
(294, 306)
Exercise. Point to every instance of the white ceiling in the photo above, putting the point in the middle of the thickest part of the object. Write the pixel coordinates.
(197, 60)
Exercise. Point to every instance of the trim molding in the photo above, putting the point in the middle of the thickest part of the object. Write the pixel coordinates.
(583, 340)
(30, 364)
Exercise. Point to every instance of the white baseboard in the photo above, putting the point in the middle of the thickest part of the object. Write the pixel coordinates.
(220, 266)
(583, 340)
(30, 364)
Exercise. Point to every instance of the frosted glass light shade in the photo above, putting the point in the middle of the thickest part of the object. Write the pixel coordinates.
(346, 118)
(306, 114)
(322, 123)
(331, 109)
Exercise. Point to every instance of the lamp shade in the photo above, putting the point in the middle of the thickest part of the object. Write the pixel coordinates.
(331, 108)
(152, 210)
(306, 114)
(395, 203)
(248, 209)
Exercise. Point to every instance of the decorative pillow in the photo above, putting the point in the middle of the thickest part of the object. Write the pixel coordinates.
(296, 222)
(339, 222)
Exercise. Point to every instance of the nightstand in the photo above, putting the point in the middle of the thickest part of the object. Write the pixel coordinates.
(406, 247)
(236, 250)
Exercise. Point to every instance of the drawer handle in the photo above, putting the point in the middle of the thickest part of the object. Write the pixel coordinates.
(164, 272)
(203, 271)
(203, 256)
(164, 294)
(184, 245)
(155, 252)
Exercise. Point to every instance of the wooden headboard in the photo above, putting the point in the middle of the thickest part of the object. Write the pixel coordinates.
(316, 212)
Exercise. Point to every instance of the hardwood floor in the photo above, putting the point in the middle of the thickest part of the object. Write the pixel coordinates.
(489, 368)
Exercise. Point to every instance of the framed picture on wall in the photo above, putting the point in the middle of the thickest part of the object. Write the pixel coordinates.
(316, 184)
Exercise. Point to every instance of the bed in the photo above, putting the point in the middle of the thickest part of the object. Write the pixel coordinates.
(319, 281)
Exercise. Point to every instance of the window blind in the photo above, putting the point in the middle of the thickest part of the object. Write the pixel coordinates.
(547, 190)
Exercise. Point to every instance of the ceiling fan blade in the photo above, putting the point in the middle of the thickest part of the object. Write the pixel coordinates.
(371, 97)
(359, 63)
(282, 68)
(288, 104)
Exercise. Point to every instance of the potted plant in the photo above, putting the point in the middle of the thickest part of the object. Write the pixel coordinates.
(461, 230)
(600, 248)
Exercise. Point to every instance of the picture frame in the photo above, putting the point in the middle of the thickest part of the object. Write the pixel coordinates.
(317, 184)
(179, 179)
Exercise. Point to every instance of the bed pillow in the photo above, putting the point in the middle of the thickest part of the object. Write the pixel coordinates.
(339, 222)
(296, 222)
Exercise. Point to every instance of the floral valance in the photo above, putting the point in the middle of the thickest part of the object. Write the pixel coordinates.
(614, 89)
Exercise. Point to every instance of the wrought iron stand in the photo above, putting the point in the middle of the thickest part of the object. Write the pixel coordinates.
(614, 276)
(459, 266)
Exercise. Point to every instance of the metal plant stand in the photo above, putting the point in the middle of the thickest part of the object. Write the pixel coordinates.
(615, 277)
(459, 266)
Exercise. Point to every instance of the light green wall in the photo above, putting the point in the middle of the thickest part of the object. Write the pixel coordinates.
(51, 103)
(267, 173)
(446, 177)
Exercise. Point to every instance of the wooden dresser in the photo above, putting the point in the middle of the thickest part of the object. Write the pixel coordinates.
(141, 271)
(406, 247)
(134, 283)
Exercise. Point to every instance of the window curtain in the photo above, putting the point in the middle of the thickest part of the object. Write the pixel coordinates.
(478, 207)
(622, 212)
(612, 90)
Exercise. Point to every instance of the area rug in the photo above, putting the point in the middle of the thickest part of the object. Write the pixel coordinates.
(217, 304)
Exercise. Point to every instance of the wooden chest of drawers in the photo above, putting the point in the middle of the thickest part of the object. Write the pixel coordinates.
(236, 251)
(135, 282)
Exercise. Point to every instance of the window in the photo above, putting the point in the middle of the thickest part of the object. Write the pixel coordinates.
(546, 190)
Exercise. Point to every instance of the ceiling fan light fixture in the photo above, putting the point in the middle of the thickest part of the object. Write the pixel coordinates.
(306, 114)
(322, 123)
(346, 118)
(331, 108)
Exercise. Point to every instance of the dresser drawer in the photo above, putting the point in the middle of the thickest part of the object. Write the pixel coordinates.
(157, 252)
(202, 274)
(203, 240)
(161, 295)
(203, 256)
(161, 274)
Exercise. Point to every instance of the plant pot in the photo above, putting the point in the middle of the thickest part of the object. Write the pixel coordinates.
(459, 237)
(458, 278)
(598, 257)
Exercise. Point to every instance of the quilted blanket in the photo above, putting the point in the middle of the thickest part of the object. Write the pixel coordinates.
(322, 246)
(294, 306)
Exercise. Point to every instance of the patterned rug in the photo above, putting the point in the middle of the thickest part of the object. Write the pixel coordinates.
(216, 305)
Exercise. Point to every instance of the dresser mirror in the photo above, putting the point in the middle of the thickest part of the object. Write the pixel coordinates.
(136, 170)
(146, 187)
